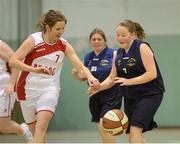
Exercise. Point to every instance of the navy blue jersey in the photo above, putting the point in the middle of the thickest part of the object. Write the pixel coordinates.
(129, 65)
(100, 65)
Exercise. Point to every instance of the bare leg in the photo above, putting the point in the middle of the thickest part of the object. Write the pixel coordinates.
(32, 127)
(135, 135)
(106, 137)
(43, 119)
(9, 126)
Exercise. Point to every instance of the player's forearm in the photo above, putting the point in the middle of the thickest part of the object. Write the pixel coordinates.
(14, 76)
(146, 77)
(107, 83)
(83, 73)
(86, 73)
(17, 64)
(79, 77)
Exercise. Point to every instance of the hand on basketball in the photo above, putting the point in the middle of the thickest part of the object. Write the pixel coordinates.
(121, 81)
(42, 70)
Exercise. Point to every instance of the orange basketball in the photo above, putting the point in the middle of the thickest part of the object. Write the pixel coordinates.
(115, 122)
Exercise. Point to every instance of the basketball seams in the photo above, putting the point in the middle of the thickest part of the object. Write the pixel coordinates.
(124, 119)
(109, 124)
(111, 115)
(115, 121)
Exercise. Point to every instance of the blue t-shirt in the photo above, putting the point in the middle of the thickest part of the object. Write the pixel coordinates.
(100, 66)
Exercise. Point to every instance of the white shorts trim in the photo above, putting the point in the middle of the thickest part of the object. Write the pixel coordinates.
(47, 101)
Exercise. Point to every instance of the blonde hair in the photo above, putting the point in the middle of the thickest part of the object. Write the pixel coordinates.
(134, 27)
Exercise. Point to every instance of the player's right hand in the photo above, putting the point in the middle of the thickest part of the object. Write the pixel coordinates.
(9, 89)
(42, 70)
(74, 73)
(91, 91)
(93, 82)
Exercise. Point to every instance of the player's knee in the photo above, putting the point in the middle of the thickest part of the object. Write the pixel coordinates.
(135, 131)
(42, 125)
(4, 126)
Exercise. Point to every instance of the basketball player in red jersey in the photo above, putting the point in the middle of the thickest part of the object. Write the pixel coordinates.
(38, 86)
(7, 96)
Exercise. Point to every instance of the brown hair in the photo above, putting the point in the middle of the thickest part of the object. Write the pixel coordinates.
(50, 18)
(134, 27)
(99, 31)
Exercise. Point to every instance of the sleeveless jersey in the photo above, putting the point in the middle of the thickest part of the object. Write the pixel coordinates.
(130, 65)
(42, 54)
(100, 67)
(4, 74)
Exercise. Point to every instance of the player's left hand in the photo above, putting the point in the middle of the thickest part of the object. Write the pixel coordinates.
(121, 81)
(9, 89)
(91, 91)
(93, 82)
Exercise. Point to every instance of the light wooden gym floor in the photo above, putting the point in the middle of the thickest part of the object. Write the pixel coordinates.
(160, 135)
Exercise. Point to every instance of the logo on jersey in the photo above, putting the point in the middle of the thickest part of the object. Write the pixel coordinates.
(95, 59)
(131, 62)
(42, 49)
(125, 58)
(119, 62)
(104, 62)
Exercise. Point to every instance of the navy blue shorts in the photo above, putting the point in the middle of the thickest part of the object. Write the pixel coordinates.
(141, 111)
(102, 102)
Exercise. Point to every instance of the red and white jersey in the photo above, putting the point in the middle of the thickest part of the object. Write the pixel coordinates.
(42, 54)
(4, 74)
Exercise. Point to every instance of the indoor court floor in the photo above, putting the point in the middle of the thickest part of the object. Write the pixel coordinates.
(160, 135)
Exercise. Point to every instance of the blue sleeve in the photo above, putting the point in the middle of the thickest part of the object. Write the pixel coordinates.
(86, 59)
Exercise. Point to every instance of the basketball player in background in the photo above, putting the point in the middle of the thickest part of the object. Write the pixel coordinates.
(7, 96)
(99, 62)
(38, 85)
(136, 71)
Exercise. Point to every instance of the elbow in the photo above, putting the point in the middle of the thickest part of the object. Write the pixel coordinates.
(12, 61)
(111, 81)
(154, 75)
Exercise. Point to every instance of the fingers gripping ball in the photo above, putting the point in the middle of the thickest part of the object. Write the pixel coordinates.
(115, 122)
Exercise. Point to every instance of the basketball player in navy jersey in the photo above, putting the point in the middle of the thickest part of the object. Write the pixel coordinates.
(136, 71)
(99, 62)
